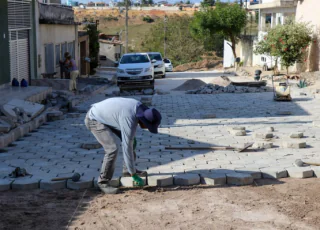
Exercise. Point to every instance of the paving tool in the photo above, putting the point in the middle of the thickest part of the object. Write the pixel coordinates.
(75, 177)
(300, 163)
(190, 147)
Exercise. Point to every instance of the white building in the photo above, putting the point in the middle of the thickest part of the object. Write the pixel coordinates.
(271, 13)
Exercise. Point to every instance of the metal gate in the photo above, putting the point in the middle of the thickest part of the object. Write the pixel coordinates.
(19, 22)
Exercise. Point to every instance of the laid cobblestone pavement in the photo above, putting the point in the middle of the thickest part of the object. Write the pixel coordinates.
(54, 150)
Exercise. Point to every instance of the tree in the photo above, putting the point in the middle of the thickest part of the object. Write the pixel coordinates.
(181, 47)
(228, 20)
(188, 2)
(208, 2)
(94, 46)
(286, 42)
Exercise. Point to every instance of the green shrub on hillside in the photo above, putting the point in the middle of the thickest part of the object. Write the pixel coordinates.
(148, 19)
(181, 47)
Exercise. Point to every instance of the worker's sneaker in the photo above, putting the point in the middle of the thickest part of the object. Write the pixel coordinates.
(138, 172)
(106, 188)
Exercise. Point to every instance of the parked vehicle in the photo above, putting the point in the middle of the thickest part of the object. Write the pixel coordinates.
(168, 65)
(159, 68)
(135, 70)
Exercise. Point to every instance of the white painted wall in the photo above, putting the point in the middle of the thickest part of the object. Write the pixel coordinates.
(228, 59)
(109, 50)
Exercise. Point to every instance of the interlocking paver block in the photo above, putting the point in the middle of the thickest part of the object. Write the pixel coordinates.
(300, 172)
(316, 171)
(213, 178)
(25, 183)
(83, 183)
(208, 116)
(5, 184)
(283, 112)
(128, 181)
(254, 172)
(274, 172)
(47, 184)
(91, 145)
(295, 145)
(239, 179)
(238, 132)
(316, 123)
(73, 115)
(296, 135)
(238, 128)
(263, 135)
(263, 145)
(270, 129)
(160, 180)
(186, 179)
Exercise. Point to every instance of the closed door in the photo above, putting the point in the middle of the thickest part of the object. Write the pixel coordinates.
(82, 58)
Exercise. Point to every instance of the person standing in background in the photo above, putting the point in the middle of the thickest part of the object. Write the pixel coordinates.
(74, 72)
(64, 72)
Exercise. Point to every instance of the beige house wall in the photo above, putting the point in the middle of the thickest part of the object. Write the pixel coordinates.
(307, 11)
(55, 34)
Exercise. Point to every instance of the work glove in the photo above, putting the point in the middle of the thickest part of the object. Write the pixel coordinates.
(137, 181)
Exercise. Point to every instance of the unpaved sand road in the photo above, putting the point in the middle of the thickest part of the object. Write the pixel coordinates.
(286, 204)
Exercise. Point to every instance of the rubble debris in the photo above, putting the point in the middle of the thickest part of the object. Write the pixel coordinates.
(161, 92)
(216, 89)
(243, 72)
(4, 126)
(55, 115)
(148, 92)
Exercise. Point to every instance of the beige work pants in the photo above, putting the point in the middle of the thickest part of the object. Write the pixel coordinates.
(73, 80)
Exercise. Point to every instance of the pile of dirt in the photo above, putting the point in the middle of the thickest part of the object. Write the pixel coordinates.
(190, 85)
(205, 64)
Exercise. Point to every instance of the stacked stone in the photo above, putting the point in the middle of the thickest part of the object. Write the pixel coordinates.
(216, 89)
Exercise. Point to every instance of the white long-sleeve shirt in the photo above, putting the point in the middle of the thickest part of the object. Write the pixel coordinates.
(120, 114)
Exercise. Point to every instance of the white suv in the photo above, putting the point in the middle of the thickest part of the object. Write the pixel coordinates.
(159, 67)
(135, 69)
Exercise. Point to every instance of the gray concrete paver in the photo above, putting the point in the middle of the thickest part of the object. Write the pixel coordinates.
(55, 147)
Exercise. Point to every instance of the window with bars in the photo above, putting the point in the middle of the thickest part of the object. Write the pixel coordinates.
(49, 58)
(58, 52)
(71, 49)
(63, 49)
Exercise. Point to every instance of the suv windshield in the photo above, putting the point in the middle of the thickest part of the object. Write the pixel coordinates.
(166, 60)
(155, 56)
(133, 59)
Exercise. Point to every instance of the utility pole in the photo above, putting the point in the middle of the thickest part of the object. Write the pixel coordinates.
(127, 6)
(165, 36)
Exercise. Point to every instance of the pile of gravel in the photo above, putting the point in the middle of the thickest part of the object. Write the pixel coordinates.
(215, 89)
(190, 85)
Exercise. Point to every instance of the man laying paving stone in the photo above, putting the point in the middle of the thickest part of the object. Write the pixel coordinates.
(119, 117)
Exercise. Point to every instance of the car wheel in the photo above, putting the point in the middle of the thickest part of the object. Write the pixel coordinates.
(163, 76)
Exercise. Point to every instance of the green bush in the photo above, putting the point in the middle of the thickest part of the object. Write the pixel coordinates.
(148, 19)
